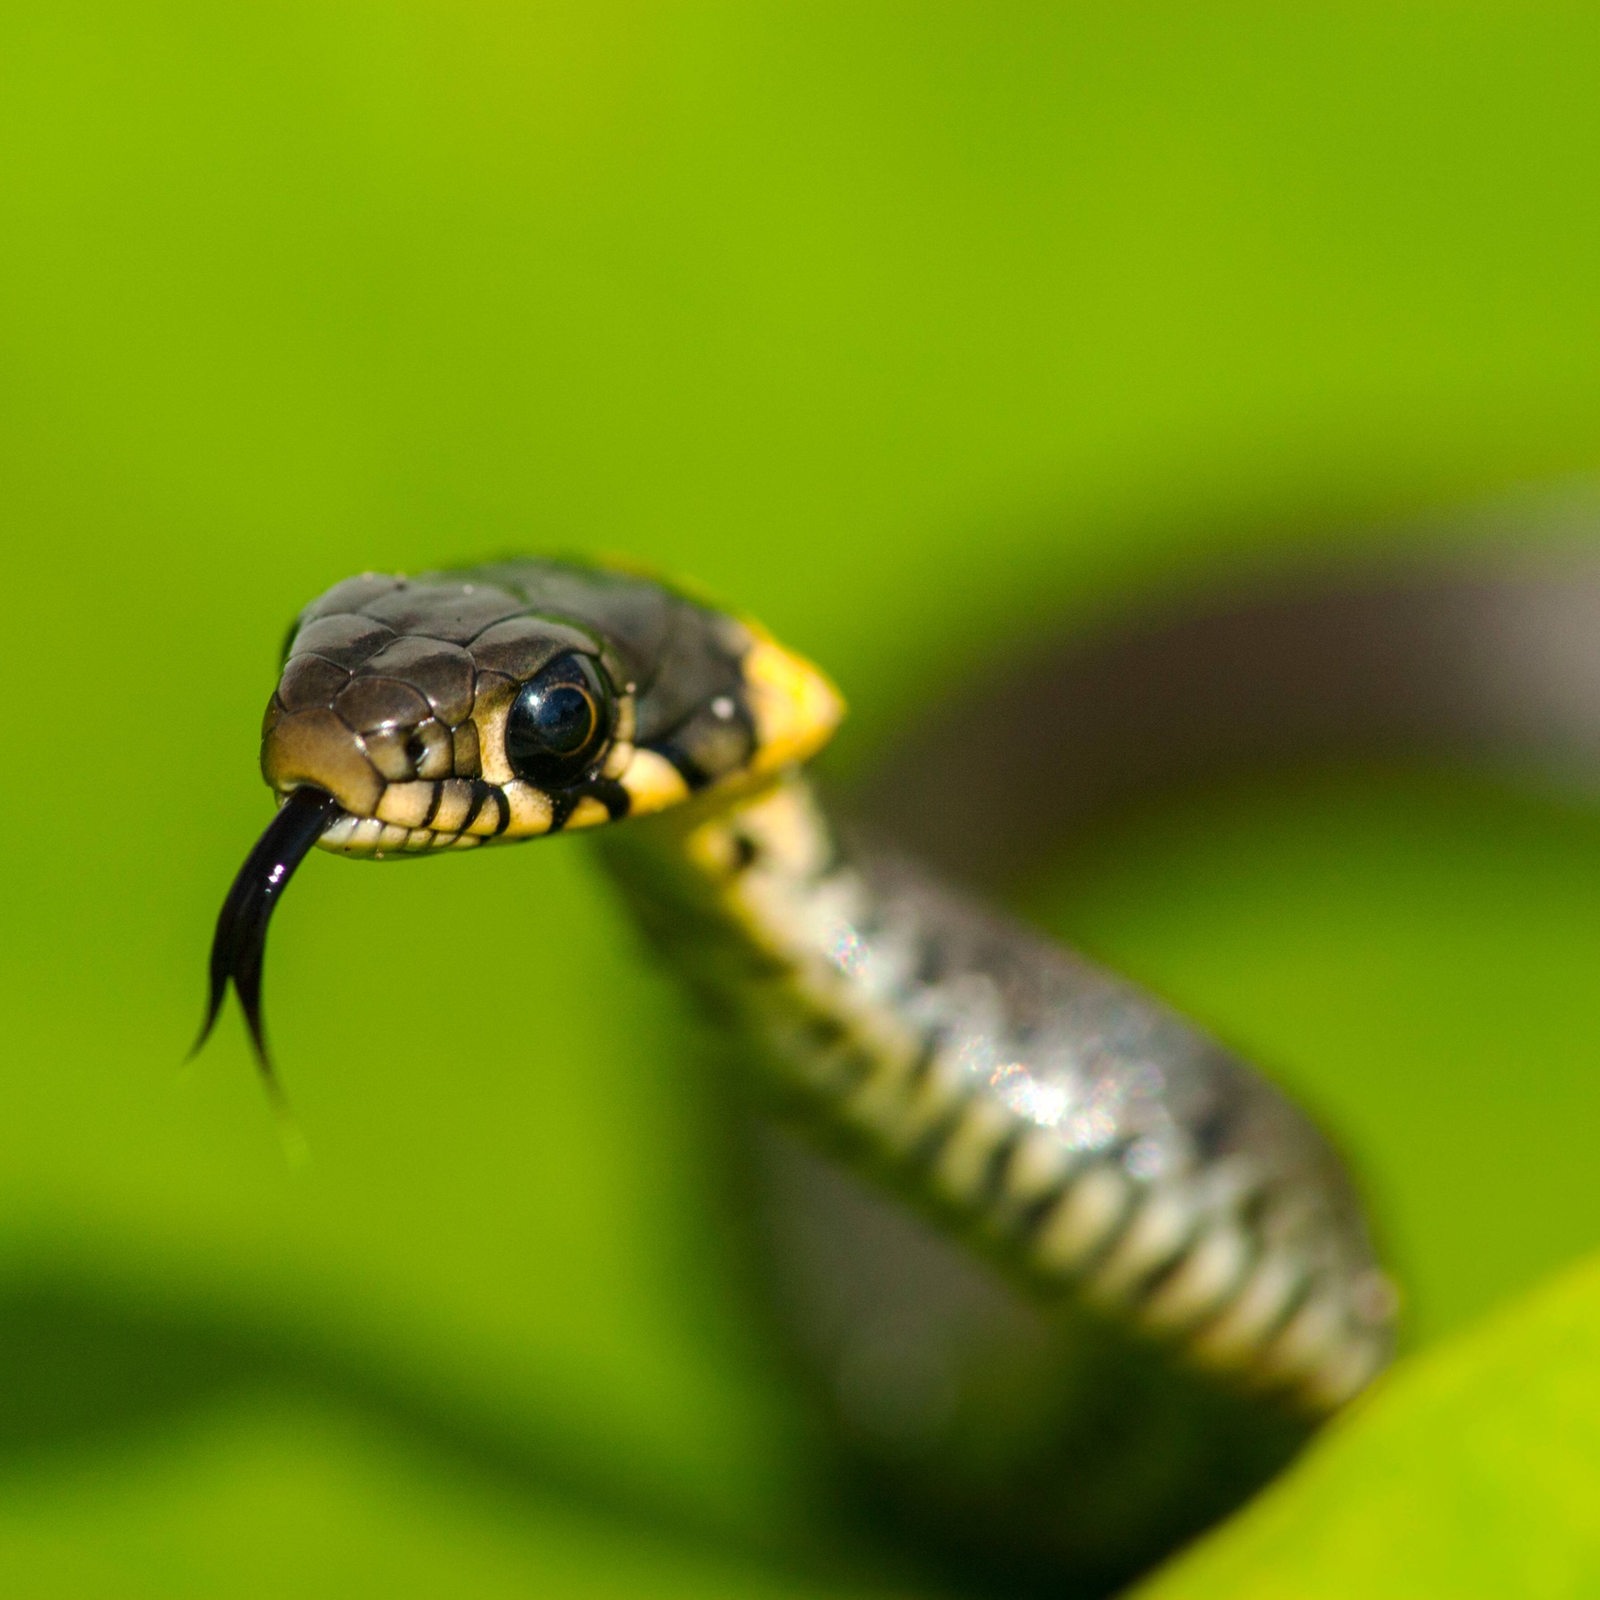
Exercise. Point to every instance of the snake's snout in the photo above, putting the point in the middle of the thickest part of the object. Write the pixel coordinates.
(384, 722)
(354, 726)
(317, 748)
(401, 787)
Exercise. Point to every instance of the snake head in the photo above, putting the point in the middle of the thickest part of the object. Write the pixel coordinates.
(452, 709)
(456, 709)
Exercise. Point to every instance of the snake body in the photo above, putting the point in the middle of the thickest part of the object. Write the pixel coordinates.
(1162, 1209)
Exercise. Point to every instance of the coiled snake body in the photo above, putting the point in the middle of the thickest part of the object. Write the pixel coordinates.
(1170, 1247)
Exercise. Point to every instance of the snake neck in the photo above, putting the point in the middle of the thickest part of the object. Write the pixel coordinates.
(762, 909)
(1079, 1133)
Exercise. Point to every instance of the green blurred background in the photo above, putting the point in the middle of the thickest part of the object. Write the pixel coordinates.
(916, 330)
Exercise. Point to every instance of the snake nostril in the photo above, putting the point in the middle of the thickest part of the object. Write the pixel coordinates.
(430, 749)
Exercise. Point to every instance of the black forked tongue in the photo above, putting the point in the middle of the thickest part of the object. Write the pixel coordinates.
(240, 941)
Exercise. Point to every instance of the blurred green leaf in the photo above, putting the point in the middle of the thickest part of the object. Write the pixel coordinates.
(1471, 1470)
(272, 1499)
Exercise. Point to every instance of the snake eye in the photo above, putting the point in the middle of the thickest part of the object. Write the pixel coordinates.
(559, 723)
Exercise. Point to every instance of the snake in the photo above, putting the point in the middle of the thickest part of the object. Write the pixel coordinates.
(1071, 1277)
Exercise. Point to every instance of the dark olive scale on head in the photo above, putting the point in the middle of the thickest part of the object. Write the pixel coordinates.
(560, 722)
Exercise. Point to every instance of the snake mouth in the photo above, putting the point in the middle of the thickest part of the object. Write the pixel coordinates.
(425, 814)
(239, 944)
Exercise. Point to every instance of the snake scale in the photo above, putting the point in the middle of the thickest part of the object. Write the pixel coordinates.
(1127, 1276)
